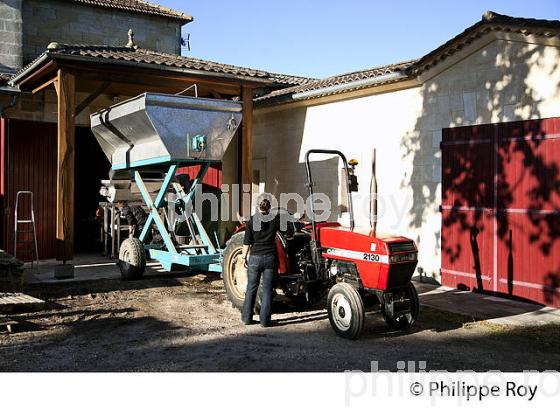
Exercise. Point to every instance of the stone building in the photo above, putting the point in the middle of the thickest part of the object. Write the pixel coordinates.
(465, 138)
(466, 152)
(26, 25)
(65, 59)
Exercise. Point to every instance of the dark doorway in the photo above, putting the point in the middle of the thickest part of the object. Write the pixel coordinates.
(91, 167)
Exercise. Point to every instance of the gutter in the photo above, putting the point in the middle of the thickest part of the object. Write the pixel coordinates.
(349, 86)
(22, 74)
(9, 90)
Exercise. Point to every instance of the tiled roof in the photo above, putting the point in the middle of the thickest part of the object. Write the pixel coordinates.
(130, 55)
(347, 78)
(281, 87)
(138, 6)
(290, 80)
(490, 22)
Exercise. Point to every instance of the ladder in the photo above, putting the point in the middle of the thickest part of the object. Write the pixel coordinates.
(28, 226)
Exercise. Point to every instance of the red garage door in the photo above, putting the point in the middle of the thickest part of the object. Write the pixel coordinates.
(30, 165)
(501, 209)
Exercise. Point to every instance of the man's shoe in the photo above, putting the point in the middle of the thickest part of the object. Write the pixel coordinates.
(267, 324)
(248, 322)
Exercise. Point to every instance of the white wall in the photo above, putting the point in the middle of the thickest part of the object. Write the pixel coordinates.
(355, 127)
(492, 80)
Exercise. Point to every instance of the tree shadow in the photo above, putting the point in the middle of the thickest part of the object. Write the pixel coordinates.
(151, 344)
(493, 166)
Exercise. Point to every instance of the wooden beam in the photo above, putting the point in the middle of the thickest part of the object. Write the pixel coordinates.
(65, 171)
(45, 85)
(90, 98)
(38, 76)
(246, 152)
(148, 77)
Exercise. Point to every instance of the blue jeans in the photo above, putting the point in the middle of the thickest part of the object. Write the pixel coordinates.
(267, 266)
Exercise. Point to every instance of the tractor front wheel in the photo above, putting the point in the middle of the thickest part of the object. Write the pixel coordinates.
(346, 311)
(132, 259)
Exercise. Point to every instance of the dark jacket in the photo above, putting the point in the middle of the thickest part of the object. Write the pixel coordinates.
(135, 215)
(261, 234)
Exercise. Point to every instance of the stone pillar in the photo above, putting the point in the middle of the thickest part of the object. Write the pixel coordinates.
(11, 33)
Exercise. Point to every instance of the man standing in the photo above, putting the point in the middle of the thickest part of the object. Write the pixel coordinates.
(135, 216)
(260, 244)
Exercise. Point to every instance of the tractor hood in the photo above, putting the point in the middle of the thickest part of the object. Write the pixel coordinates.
(160, 128)
(359, 232)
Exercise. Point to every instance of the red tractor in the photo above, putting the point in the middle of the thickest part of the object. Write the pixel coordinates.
(355, 266)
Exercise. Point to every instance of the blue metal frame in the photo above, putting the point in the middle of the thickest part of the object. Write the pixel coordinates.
(204, 256)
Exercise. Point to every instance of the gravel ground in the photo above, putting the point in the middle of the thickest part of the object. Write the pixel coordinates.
(186, 324)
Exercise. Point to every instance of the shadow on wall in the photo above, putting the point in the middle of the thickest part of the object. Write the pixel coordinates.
(286, 173)
(525, 173)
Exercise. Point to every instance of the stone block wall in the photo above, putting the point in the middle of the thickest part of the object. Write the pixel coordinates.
(45, 21)
(10, 35)
(497, 80)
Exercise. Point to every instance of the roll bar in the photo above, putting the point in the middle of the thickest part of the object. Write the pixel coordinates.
(310, 184)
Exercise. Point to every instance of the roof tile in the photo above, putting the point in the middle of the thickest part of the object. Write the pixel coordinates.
(143, 56)
(491, 21)
(339, 79)
(138, 6)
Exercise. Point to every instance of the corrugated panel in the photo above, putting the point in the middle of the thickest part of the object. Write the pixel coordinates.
(3, 124)
(31, 165)
(212, 180)
(466, 162)
(502, 183)
(467, 199)
(528, 215)
(466, 256)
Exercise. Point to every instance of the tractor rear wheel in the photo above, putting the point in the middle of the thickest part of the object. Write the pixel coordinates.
(234, 274)
(346, 311)
(132, 259)
(405, 321)
(234, 271)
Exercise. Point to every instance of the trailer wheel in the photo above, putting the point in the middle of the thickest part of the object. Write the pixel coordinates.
(132, 259)
(346, 311)
(404, 322)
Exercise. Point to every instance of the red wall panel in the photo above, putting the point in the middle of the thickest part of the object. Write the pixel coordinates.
(503, 181)
(212, 179)
(31, 166)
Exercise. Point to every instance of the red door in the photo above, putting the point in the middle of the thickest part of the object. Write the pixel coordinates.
(501, 209)
(467, 207)
(30, 165)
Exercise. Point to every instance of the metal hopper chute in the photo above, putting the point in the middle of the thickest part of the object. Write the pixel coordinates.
(150, 136)
(159, 128)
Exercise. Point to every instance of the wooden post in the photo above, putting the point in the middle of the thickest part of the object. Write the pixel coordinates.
(66, 89)
(246, 152)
